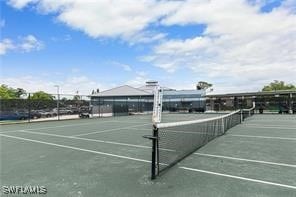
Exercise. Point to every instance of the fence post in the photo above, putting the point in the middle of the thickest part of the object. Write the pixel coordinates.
(290, 104)
(29, 107)
(99, 107)
(58, 106)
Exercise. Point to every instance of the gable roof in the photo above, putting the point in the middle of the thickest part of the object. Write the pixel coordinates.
(124, 90)
(152, 88)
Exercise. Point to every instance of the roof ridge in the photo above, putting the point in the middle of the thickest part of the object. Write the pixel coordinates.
(128, 88)
(114, 88)
(136, 89)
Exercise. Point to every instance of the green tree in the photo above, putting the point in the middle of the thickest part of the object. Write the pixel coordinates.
(64, 99)
(76, 98)
(278, 85)
(20, 92)
(40, 95)
(10, 93)
(202, 85)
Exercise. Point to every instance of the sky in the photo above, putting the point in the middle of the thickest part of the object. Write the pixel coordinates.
(237, 45)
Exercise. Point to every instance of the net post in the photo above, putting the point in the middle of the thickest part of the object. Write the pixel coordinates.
(154, 160)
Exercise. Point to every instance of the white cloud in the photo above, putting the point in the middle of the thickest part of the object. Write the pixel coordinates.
(64, 38)
(19, 4)
(138, 80)
(24, 44)
(6, 45)
(125, 67)
(105, 18)
(69, 85)
(240, 45)
(145, 37)
(30, 43)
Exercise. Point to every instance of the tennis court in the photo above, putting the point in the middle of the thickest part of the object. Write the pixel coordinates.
(109, 157)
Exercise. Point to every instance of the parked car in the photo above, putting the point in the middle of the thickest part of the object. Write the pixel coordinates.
(63, 111)
(47, 113)
(75, 110)
(84, 115)
(34, 114)
(84, 112)
(9, 115)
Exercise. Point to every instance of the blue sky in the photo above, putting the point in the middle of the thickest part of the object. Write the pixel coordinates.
(83, 45)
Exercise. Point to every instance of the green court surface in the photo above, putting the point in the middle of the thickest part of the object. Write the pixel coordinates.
(109, 157)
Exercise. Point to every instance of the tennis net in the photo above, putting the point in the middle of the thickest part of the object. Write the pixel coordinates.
(172, 142)
(246, 113)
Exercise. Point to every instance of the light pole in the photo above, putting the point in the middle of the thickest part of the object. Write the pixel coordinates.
(58, 101)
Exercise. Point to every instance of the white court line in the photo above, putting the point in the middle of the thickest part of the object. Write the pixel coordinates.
(269, 127)
(76, 148)
(263, 137)
(42, 128)
(60, 126)
(248, 160)
(86, 139)
(149, 147)
(240, 178)
(272, 120)
(146, 161)
(107, 130)
(129, 122)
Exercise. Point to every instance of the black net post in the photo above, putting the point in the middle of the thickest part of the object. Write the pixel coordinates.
(154, 160)
(155, 152)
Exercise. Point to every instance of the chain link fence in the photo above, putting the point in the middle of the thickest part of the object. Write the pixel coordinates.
(277, 103)
(51, 107)
(30, 108)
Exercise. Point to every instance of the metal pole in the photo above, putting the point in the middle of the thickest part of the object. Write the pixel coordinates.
(58, 101)
(99, 107)
(29, 106)
(154, 154)
(113, 103)
(290, 104)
